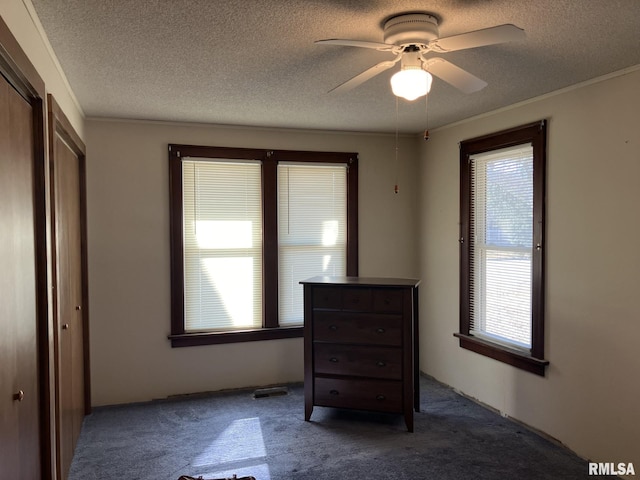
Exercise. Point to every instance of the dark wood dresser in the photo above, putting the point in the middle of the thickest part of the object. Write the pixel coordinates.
(361, 344)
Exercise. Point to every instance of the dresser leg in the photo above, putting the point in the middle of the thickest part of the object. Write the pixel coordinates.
(408, 420)
(307, 412)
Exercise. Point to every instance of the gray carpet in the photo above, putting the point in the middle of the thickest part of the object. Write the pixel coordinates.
(220, 434)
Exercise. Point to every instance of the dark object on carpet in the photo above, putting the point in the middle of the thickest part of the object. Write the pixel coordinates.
(217, 435)
(269, 392)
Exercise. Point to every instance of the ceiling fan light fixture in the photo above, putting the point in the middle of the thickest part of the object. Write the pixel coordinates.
(411, 83)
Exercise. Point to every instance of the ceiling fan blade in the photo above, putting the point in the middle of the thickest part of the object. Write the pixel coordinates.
(358, 43)
(478, 38)
(364, 76)
(454, 75)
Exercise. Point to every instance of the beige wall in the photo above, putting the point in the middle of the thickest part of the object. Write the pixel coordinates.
(20, 17)
(128, 210)
(589, 399)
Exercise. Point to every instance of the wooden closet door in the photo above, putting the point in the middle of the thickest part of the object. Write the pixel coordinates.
(19, 391)
(69, 319)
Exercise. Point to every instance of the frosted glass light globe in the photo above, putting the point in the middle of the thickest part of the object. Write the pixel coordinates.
(411, 83)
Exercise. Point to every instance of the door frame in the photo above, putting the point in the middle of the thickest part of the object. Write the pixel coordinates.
(60, 126)
(18, 70)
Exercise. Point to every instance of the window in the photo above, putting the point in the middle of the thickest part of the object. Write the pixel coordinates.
(502, 187)
(246, 226)
(312, 221)
(222, 244)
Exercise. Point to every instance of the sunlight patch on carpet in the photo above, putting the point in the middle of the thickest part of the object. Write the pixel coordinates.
(241, 440)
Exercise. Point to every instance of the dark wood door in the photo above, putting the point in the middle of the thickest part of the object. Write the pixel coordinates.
(19, 391)
(69, 323)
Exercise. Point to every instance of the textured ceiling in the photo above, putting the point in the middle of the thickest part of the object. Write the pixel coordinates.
(253, 62)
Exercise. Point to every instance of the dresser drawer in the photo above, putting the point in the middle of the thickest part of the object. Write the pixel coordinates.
(344, 327)
(327, 297)
(361, 361)
(357, 299)
(376, 395)
(387, 300)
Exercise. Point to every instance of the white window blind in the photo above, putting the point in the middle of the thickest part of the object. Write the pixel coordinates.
(501, 254)
(222, 228)
(312, 230)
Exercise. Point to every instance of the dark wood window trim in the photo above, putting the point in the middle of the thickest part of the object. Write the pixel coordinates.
(269, 158)
(536, 133)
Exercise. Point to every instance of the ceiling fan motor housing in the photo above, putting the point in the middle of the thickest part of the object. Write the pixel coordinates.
(411, 29)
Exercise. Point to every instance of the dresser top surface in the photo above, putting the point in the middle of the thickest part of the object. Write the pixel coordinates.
(362, 281)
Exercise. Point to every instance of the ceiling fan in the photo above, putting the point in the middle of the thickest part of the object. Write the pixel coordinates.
(410, 37)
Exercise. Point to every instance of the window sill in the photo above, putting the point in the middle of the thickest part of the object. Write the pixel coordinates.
(213, 338)
(503, 354)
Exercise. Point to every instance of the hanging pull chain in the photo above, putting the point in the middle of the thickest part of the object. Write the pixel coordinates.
(396, 188)
(426, 115)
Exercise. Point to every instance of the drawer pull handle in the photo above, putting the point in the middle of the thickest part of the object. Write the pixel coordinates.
(333, 327)
(380, 330)
(333, 360)
(380, 398)
(380, 363)
(387, 301)
(334, 392)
